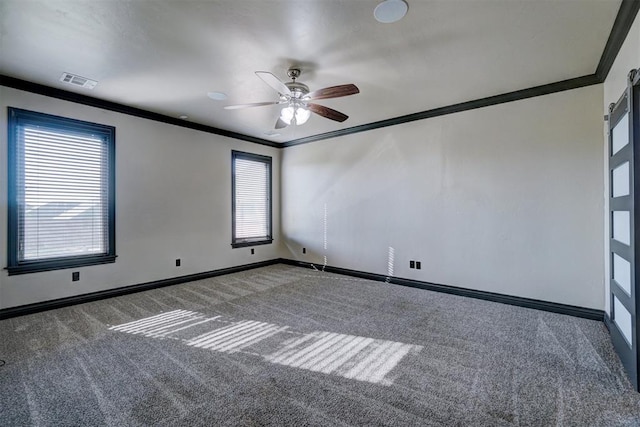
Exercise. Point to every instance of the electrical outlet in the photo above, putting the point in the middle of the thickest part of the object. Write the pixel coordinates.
(418, 265)
(178, 262)
(253, 251)
(412, 264)
(75, 276)
(304, 250)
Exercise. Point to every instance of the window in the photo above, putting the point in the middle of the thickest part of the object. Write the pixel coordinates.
(251, 205)
(61, 193)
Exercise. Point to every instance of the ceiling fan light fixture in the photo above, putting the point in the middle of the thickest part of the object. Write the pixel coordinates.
(390, 11)
(296, 99)
(295, 114)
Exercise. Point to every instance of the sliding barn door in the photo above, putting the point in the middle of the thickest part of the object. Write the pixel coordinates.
(624, 231)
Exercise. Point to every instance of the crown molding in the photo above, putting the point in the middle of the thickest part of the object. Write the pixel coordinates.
(66, 95)
(621, 26)
(517, 95)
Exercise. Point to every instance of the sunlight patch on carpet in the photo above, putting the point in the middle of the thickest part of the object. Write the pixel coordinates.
(350, 356)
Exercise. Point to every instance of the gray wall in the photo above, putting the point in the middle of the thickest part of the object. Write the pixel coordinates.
(173, 200)
(616, 82)
(505, 199)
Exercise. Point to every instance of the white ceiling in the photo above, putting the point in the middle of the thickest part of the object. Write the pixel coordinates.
(164, 56)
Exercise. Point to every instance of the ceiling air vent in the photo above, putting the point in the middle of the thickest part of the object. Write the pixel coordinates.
(72, 79)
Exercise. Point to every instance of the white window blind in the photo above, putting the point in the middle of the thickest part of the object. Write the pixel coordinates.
(252, 204)
(62, 183)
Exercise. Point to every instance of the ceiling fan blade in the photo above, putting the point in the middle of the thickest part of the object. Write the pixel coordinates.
(255, 104)
(274, 82)
(280, 124)
(333, 92)
(327, 112)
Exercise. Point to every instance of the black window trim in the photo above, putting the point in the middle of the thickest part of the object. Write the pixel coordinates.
(14, 266)
(246, 242)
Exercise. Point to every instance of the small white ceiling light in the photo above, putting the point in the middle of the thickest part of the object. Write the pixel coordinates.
(390, 11)
(217, 96)
(183, 117)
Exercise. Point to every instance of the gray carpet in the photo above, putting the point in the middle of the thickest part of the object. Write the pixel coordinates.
(284, 345)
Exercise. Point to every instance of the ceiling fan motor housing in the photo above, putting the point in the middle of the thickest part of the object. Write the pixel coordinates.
(293, 73)
(298, 90)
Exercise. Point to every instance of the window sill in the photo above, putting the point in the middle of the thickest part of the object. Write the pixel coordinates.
(59, 264)
(247, 243)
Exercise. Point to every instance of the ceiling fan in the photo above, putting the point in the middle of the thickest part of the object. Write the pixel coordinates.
(298, 99)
